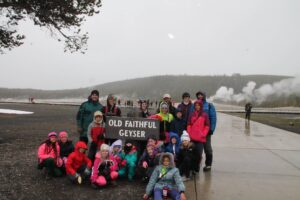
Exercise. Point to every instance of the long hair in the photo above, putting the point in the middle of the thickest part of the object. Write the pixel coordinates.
(50, 145)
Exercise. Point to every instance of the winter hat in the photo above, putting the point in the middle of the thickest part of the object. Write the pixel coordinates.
(167, 96)
(104, 147)
(63, 134)
(96, 92)
(98, 113)
(185, 136)
(199, 102)
(52, 134)
(164, 105)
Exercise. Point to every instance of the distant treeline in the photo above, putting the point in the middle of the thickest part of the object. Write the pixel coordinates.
(150, 87)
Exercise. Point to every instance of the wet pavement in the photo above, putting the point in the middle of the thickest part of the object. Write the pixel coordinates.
(251, 161)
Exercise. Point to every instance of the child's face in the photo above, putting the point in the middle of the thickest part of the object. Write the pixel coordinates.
(81, 150)
(173, 140)
(164, 110)
(197, 107)
(166, 162)
(111, 102)
(186, 99)
(179, 115)
(116, 149)
(98, 118)
(150, 150)
(104, 154)
(185, 143)
(144, 106)
(151, 142)
(63, 139)
(53, 139)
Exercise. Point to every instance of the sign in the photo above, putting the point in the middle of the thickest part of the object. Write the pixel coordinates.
(131, 128)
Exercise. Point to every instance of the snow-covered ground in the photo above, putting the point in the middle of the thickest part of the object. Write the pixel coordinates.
(17, 112)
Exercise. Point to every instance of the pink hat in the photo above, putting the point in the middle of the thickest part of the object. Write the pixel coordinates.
(52, 134)
(63, 134)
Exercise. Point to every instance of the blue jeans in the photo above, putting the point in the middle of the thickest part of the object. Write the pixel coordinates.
(158, 194)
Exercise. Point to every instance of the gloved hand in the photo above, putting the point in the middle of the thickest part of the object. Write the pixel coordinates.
(145, 164)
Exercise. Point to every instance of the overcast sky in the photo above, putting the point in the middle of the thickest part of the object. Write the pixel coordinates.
(135, 38)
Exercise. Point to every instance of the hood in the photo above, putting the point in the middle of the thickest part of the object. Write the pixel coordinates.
(201, 104)
(172, 163)
(176, 136)
(79, 145)
(202, 93)
(116, 143)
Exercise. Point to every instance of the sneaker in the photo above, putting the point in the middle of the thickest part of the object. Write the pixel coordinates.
(79, 180)
(207, 168)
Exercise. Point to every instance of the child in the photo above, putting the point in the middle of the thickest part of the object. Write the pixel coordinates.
(158, 145)
(78, 166)
(173, 146)
(105, 167)
(198, 127)
(165, 180)
(116, 150)
(178, 125)
(66, 146)
(130, 155)
(96, 134)
(147, 163)
(49, 156)
(187, 157)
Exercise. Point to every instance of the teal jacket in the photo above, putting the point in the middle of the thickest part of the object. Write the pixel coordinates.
(85, 114)
(172, 179)
(131, 158)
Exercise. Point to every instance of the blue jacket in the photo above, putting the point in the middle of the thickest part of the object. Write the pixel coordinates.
(210, 110)
(169, 148)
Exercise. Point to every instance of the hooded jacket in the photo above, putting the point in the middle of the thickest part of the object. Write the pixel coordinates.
(96, 132)
(171, 179)
(96, 172)
(77, 159)
(45, 152)
(117, 156)
(173, 149)
(165, 124)
(198, 125)
(210, 110)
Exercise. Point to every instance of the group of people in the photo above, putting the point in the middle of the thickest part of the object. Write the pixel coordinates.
(163, 162)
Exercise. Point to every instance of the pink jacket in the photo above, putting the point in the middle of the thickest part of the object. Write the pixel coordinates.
(45, 152)
(97, 163)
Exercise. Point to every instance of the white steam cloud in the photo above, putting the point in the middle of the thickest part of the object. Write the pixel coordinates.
(283, 88)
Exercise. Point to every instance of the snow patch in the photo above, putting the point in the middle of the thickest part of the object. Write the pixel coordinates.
(17, 112)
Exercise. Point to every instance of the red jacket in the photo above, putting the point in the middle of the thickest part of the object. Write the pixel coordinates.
(198, 125)
(97, 163)
(77, 159)
(95, 131)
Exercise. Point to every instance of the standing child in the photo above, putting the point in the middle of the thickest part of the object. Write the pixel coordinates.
(96, 134)
(130, 155)
(187, 157)
(49, 156)
(105, 167)
(178, 125)
(66, 146)
(78, 166)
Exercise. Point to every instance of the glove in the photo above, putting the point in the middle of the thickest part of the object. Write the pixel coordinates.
(79, 130)
(145, 164)
(123, 163)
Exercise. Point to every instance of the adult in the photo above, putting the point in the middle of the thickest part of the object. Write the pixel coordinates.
(167, 99)
(144, 111)
(186, 107)
(248, 109)
(111, 109)
(210, 110)
(85, 114)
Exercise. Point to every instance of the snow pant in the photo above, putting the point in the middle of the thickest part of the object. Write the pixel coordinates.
(186, 166)
(102, 180)
(208, 151)
(199, 148)
(92, 151)
(158, 194)
(129, 169)
(51, 167)
(82, 172)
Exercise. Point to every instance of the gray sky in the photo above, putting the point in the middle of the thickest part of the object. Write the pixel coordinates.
(135, 38)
